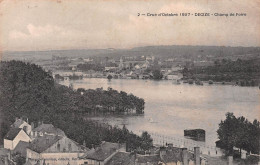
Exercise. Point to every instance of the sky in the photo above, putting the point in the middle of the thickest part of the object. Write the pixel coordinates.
(100, 24)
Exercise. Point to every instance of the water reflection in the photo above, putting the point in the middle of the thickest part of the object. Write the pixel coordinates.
(171, 108)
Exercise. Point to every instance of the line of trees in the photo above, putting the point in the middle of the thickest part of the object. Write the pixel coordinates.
(26, 90)
(244, 72)
(86, 67)
(240, 133)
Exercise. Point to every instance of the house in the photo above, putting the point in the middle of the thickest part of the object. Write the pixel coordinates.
(21, 148)
(168, 155)
(46, 129)
(14, 136)
(102, 154)
(122, 158)
(20, 123)
(54, 150)
(174, 76)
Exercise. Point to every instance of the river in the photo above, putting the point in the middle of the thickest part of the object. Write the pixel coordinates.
(171, 108)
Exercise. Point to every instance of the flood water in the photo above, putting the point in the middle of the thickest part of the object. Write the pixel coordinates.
(171, 108)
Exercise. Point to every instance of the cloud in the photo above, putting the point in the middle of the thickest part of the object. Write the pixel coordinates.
(103, 24)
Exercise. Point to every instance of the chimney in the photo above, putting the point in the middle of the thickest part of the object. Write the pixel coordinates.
(32, 125)
(133, 154)
(162, 152)
(185, 156)
(6, 160)
(230, 160)
(27, 120)
(197, 155)
(16, 118)
(39, 123)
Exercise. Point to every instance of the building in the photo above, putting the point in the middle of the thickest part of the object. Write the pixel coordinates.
(101, 154)
(168, 155)
(20, 123)
(14, 136)
(46, 129)
(21, 148)
(174, 76)
(122, 158)
(54, 150)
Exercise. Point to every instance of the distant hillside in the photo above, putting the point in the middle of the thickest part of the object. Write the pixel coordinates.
(157, 51)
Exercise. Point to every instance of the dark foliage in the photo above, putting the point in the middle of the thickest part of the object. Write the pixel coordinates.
(240, 133)
(244, 72)
(26, 90)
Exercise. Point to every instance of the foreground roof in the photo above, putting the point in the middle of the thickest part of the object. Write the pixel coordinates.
(152, 159)
(122, 158)
(21, 148)
(12, 133)
(104, 151)
(42, 143)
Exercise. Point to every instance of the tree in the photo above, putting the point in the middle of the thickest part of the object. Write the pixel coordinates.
(27, 90)
(109, 77)
(227, 132)
(157, 75)
(147, 141)
(240, 133)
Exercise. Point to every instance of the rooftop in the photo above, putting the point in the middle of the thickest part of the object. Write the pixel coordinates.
(50, 129)
(103, 151)
(42, 143)
(152, 159)
(18, 123)
(21, 148)
(12, 133)
(121, 158)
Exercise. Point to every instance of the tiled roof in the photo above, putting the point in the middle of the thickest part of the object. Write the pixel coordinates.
(50, 129)
(122, 158)
(21, 148)
(152, 159)
(104, 151)
(42, 143)
(12, 133)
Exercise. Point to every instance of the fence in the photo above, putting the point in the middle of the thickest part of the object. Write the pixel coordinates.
(160, 140)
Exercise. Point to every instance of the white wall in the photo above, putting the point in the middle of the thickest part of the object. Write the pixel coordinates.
(22, 136)
(60, 158)
(8, 144)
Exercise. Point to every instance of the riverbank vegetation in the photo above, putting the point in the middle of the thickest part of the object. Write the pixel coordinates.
(109, 101)
(26, 90)
(241, 72)
(240, 133)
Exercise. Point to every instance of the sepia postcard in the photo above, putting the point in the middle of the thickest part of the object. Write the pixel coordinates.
(129, 82)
